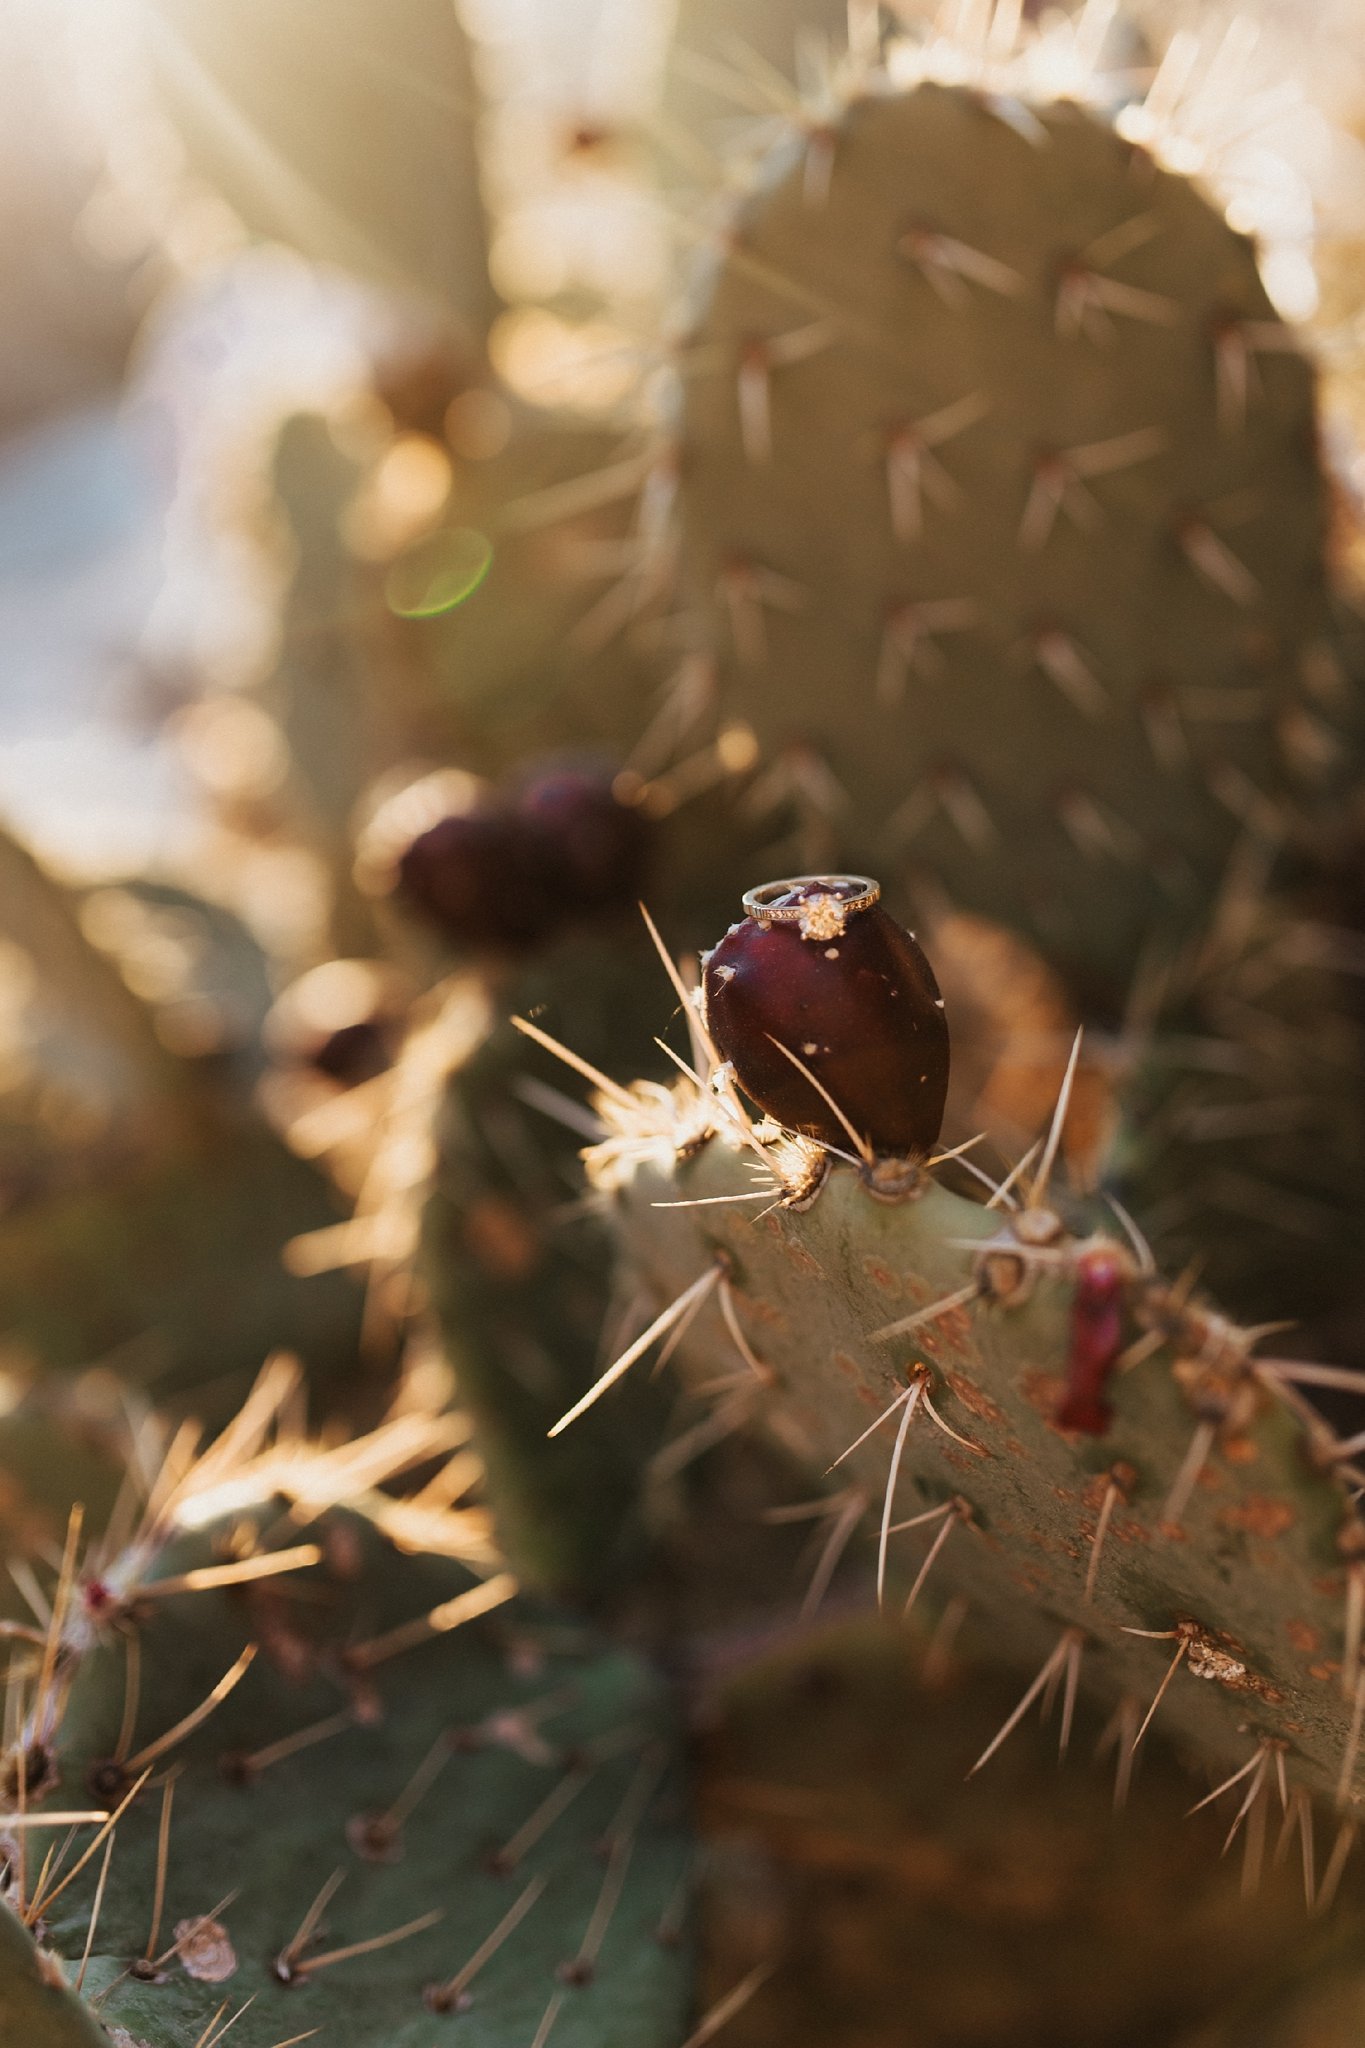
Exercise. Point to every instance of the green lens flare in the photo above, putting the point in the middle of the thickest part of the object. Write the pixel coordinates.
(437, 573)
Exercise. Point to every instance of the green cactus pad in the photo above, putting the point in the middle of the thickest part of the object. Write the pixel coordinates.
(1011, 580)
(35, 2006)
(509, 1774)
(1238, 1130)
(522, 1293)
(1229, 1534)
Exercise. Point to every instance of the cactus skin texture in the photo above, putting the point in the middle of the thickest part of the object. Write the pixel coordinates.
(1225, 1529)
(977, 520)
(434, 1752)
(35, 2006)
(522, 1294)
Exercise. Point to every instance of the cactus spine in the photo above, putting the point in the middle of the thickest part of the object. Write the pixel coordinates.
(469, 1778)
(1001, 499)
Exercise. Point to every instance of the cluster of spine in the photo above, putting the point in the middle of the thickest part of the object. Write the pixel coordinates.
(292, 1755)
(996, 545)
(1006, 535)
(1127, 1490)
(1000, 500)
(1015, 1908)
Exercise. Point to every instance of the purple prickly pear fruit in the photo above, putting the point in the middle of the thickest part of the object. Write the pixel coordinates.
(354, 1053)
(344, 1019)
(508, 871)
(599, 846)
(486, 877)
(829, 1013)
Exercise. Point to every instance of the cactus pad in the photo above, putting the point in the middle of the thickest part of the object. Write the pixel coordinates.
(1001, 500)
(1097, 1461)
(473, 1790)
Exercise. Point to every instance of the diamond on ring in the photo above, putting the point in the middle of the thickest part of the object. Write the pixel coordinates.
(821, 915)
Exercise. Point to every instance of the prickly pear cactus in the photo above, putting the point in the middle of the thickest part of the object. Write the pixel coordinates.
(464, 641)
(478, 1803)
(1029, 1416)
(986, 548)
(1002, 508)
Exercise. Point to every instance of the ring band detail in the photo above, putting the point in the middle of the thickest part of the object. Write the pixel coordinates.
(852, 892)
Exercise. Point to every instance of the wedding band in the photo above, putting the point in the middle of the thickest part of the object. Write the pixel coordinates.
(852, 893)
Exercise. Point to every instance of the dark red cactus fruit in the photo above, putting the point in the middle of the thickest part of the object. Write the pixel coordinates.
(344, 1019)
(506, 872)
(812, 977)
(355, 1053)
(600, 846)
(486, 877)
(1096, 1341)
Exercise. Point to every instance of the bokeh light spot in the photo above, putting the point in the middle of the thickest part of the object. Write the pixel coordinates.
(439, 572)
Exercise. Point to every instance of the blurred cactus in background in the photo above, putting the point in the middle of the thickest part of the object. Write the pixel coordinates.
(794, 471)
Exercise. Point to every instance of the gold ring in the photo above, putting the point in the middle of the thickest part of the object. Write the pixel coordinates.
(851, 893)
